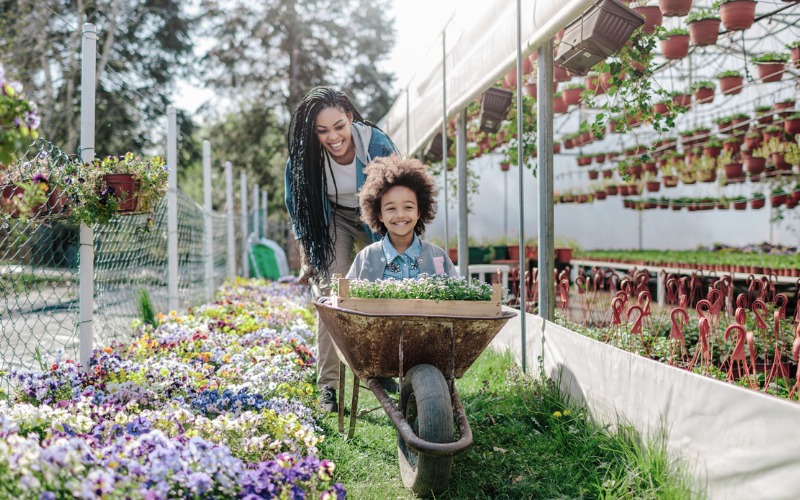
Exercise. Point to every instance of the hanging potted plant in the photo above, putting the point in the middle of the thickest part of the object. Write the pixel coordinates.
(592, 82)
(730, 82)
(571, 94)
(652, 184)
(772, 132)
(777, 197)
(734, 172)
(758, 200)
(739, 203)
(114, 184)
(703, 27)
(754, 162)
(712, 147)
(794, 50)
(737, 15)
(594, 175)
(703, 91)
(791, 124)
(681, 98)
(764, 114)
(771, 66)
(584, 160)
(675, 43)
(784, 106)
(732, 145)
(559, 105)
(652, 17)
(674, 8)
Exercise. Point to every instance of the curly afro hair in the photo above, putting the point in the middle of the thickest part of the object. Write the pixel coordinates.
(388, 172)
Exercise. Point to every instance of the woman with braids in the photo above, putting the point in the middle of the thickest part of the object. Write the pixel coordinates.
(330, 143)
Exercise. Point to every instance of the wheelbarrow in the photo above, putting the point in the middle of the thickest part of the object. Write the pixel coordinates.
(427, 352)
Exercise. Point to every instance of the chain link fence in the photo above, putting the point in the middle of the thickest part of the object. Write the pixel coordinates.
(39, 266)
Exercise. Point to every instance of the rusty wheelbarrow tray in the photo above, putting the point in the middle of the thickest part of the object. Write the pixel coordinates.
(427, 352)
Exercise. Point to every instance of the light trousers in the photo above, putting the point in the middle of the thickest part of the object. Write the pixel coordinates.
(347, 232)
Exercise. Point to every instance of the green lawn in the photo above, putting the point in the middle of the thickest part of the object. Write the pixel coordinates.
(527, 444)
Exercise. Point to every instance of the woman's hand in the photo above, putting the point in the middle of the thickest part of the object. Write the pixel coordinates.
(306, 269)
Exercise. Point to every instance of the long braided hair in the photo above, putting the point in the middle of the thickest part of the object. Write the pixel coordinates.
(308, 176)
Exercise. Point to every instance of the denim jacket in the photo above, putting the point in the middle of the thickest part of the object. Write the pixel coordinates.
(370, 263)
(370, 143)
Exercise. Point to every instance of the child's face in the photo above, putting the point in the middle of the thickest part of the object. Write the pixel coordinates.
(332, 126)
(399, 211)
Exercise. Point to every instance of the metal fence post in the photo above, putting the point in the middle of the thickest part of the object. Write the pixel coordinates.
(207, 215)
(229, 217)
(256, 225)
(264, 207)
(243, 193)
(172, 209)
(86, 276)
(544, 135)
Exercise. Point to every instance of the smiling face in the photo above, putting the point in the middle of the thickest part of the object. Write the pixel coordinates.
(399, 213)
(332, 127)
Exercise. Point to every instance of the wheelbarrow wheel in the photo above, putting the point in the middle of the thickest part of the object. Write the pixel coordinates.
(427, 407)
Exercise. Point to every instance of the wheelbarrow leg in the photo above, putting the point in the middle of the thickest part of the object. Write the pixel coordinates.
(354, 406)
(342, 373)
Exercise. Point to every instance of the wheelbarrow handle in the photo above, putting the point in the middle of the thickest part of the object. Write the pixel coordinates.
(411, 439)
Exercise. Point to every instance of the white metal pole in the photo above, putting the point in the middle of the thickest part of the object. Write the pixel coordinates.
(172, 208)
(461, 161)
(444, 142)
(264, 208)
(243, 193)
(86, 277)
(256, 225)
(229, 217)
(520, 162)
(207, 214)
(544, 135)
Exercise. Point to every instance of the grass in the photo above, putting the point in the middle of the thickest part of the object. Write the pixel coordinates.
(528, 443)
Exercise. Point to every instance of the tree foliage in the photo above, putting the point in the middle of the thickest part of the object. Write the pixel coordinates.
(277, 50)
(143, 46)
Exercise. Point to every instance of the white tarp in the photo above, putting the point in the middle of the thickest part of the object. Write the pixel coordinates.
(744, 444)
(481, 40)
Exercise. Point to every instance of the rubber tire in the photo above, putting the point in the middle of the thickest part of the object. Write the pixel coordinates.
(427, 407)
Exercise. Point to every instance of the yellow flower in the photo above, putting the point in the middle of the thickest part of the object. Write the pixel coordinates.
(567, 413)
(557, 414)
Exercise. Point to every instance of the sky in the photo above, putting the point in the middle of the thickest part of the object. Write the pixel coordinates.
(414, 35)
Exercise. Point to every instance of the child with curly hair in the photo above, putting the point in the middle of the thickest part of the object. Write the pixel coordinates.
(397, 200)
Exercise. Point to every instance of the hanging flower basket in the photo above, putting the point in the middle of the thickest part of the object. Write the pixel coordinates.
(737, 15)
(732, 147)
(607, 174)
(572, 95)
(784, 105)
(703, 95)
(779, 162)
(754, 164)
(594, 175)
(704, 32)
(758, 202)
(792, 125)
(734, 172)
(560, 74)
(559, 106)
(674, 8)
(600, 157)
(652, 17)
(675, 46)
(660, 108)
(730, 84)
(653, 186)
(795, 53)
(505, 166)
(771, 66)
(740, 204)
(670, 181)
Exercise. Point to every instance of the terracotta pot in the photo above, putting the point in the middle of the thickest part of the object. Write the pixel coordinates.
(612, 190)
(779, 162)
(731, 85)
(530, 89)
(556, 148)
(684, 100)
(660, 108)
(732, 147)
(512, 252)
(453, 254)
(600, 158)
(704, 32)
(505, 166)
(795, 57)
(650, 166)
(673, 8)
(571, 97)
(675, 46)
(771, 71)
(796, 195)
(758, 203)
(752, 142)
(652, 17)
(712, 152)
(737, 15)
(592, 83)
(739, 205)
(777, 200)
(670, 181)
(771, 135)
(600, 195)
(754, 165)
(126, 189)
(594, 175)
(584, 161)
(703, 95)
(559, 106)
(607, 174)
(635, 171)
(653, 186)
(560, 74)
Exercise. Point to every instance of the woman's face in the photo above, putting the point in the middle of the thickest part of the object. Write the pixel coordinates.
(332, 127)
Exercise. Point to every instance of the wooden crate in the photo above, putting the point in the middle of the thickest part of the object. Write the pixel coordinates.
(469, 308)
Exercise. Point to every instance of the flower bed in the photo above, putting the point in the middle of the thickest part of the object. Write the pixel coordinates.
(214, 404)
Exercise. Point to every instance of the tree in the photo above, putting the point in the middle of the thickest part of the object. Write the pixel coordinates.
(142, 47)
(276, 50)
